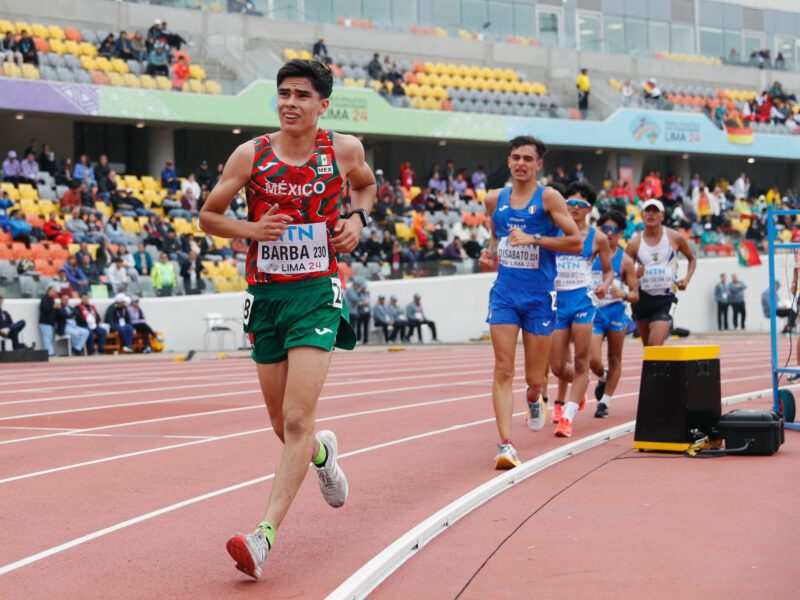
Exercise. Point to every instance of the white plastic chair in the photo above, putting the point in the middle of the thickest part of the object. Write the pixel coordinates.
(215, 325)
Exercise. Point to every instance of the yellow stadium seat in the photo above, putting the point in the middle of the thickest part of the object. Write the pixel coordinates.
(101, 63)
(57, 46)
(29, 71)
(88, 49)
(462, 70)
(131, 80)
(116, 79)
(423, 78)
(119, 65)
(87, 62)
(428, 67)
(129, 224)
(148, 183)
(28, 192)
(47, 206)
(150, 196)
(196, 86)
(290, 54)
(56, 33)
(72, 47)
(212, 87)
(147, 82)
(163, 83)
(306, 55)
(133, 183)
(39, 30)
(197, 72)
(10, 69)
(23, 26)
(6, 26)
(221, 242)
(11, 189)
(104, 209)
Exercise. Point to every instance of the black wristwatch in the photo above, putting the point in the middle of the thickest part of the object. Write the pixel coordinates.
(362, 214)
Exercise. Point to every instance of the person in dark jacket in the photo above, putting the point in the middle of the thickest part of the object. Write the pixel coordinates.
(47, 318)
(10, 329)
(89, 318)
(120, 322)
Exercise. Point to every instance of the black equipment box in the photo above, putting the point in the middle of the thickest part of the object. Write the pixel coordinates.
(763, 428)
(679, 393)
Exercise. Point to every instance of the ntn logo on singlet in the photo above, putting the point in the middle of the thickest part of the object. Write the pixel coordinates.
(298, 233)
(303, 190)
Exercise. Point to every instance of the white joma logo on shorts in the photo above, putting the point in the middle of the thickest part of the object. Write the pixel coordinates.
(545, 323)
(322, 331)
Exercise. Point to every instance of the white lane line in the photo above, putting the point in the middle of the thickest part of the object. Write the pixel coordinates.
(380, 567)
(33, 558)
(240, 434)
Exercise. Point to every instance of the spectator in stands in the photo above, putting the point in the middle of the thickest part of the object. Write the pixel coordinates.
(578, 174)
(9, 51)
(138, 47)
(21, 230)
(408, 177)
(163, 277)
(29, 170)
(102, 173)
(55, 231)
(723, 300)
(384, 91)
(780, 61)
(583, 85)
(114, 231)
(357, 297)
(105, 255)
(12, 169)
(67, 324)
(89, 268)
(479, 179)
(120, 200)
(320, 52)
(431, 253)
(171, 245)
(628, 92)
(33, 146)
(142, 260)
(169, 178)
(192, 271)
(5, 203)
(130, 264)
(785, 309)
(88, 318)
(473, 247)
(180, 73)
(215, 179)
(119, 320)
(374, 68)
(397, 315)
(75, 275)
(64, 174)
(373, 248)
(139, 323)
(107, 47)
(84, 171)
(382, 319)
(416, 319)
(720, 114)
(173, 40)
(117, 275)
(736, 289)
(157, 62)
(153, 34)
(651, 90)
(399, 97)
(10, 329)
(454, 251)
(47, 160)
(27, 48)
(190, 185)
(204, 176)
(48, 307)
(123, 48)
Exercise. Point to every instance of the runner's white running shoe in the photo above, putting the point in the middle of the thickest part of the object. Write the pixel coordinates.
(506, 457)
(537, 413)
(249, 552)
(332, 481)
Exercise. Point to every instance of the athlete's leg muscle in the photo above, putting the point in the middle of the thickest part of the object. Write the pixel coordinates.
(537, 349)
(659, 331)
(504, 343)
(272, 378)
(559, 355)
(596, 354)
(616, 341)
(581, 337)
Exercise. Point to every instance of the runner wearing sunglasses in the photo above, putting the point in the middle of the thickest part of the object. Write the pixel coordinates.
(611, 321)
(576, 307)
(529, 225)
(656, 254)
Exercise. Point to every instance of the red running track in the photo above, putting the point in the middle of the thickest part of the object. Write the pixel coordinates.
(123, 477)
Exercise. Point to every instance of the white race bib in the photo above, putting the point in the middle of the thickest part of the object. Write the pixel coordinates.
(597, 279)
(657, 278)
(302, 249)
(574, 272)
(517, 257)
(247, 308)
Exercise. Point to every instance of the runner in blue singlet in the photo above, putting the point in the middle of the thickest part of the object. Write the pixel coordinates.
(526, 222)
(576, 307)
(611, 319)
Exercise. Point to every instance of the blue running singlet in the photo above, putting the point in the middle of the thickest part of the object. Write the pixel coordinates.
(574, 285)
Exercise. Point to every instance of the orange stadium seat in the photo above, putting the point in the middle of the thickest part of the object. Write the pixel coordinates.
(72, 34)
(99, 78)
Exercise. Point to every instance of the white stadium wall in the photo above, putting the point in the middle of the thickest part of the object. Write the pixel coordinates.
(457, 304)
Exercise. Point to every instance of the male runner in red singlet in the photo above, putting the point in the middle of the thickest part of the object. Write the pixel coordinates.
(294, 309)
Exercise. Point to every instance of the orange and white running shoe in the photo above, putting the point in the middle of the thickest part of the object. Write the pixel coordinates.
(558, 411)
(564, 428)
(506, 457)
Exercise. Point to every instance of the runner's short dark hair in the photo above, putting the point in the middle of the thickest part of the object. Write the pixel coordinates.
(615, 216)
(529, 140)
(316, 72)
(585, 189)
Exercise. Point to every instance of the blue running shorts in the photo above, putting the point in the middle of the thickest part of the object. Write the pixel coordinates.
(611, 317)
(574, 306)
(532, 310)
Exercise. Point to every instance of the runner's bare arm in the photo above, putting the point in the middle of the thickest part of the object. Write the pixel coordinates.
(628, 272)
(234, 177)
(353, 166)
(686, 250)
(556, 209)
(632, 250)
(487, 261)
(604, 252)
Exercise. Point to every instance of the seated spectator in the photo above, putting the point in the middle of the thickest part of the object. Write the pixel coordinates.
(108, 47)
(142, 261)
(137, 320)
(473, 246)
(138, 47)
(105, 255)
(107, 186)
(123, 48)
(5, 203)
(397, 315)
(119, 320)
(416, 319)
(455, 251)
(117, 274)
(383, 319)
(192, 271)
(189, 244)
(431, 253)
(67, 324)
(180, 73)
(9, 51)
(171, 245)
(163, 277)
(374, 68)
(29, 170)
(63, 175)
(88, 318)
(169, 178)
(84, 171)
(130, 264)
(153, 35)
(157, 62)
(55, 231)
(27, 48)
(20, 229)
(384, 91)
(203, 175)
(173, 40)
(114, 230)
(320, 52)
(12, 169)
(75, 275)
(47, 160)
(784, 309)
(102, 173)
(373, 248)
(10, 329)
(399, 97)
(77, 226)
(89, 268)
(479, 179)
(48, 307)
(628, 92)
